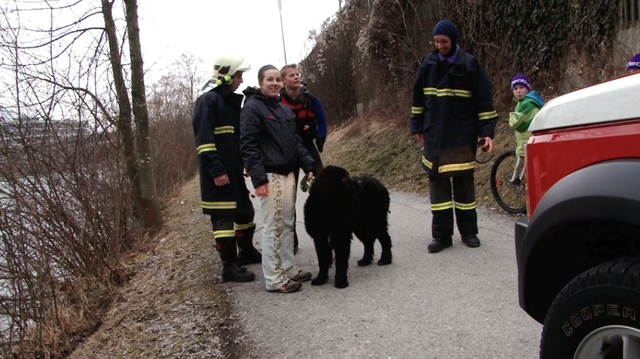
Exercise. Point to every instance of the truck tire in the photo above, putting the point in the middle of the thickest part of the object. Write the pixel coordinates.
(596, 315)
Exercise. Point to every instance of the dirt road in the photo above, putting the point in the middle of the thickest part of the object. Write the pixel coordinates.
(457, 304)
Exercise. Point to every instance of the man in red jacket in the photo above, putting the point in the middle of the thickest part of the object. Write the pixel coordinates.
(311, 122)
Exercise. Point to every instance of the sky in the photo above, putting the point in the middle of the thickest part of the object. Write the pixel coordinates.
(250, 28)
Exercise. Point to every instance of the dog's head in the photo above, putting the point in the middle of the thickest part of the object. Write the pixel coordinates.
(333, 180)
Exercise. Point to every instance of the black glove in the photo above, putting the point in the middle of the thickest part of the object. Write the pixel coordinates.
(320, 143)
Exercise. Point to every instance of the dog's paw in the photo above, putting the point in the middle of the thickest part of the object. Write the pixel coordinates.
(384, 260)
(319, 280)
(364, 262)
(341, 280)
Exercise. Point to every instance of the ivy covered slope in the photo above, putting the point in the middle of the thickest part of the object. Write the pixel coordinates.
(368, 55)
(365, 60)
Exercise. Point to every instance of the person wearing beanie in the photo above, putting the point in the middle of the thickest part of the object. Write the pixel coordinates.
(452, 113)
(223, 190)
(528, 104)
(447, 29)
(634, 64)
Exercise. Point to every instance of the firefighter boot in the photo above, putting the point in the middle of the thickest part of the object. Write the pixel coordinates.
(231, 270)
(471, 241)
(439, 243)
(247, 253)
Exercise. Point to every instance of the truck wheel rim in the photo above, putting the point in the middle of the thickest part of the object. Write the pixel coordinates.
(611, 342)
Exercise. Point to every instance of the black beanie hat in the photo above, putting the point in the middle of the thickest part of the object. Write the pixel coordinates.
(446, 27)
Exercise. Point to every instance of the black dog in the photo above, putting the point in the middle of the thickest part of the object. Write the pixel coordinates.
(338, 206)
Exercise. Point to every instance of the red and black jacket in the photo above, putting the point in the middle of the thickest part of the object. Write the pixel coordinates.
(306, 119)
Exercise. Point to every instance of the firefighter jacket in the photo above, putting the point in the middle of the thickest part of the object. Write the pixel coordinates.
(216, 125)
(311, 121)
(269, 142)
(452, 106)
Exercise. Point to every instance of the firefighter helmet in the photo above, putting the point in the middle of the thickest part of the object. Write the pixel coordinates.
(226, 66)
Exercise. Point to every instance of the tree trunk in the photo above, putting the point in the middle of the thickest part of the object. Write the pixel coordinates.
(124, 121)
(152, 215)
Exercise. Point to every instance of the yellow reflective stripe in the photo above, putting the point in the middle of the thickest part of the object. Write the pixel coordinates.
(219, 205)
(462, 93)
(417, 110)
(225, 233)
(441, 206)
(451, 167)
(430, 91)
(446, 92)
(455, 93)
(457, 167)
(427, 163)
(487, 115)
(223, 129)
(207, 148)
(465, 206)
(242, 227)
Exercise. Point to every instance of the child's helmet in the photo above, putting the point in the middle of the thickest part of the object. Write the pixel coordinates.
(226, 66)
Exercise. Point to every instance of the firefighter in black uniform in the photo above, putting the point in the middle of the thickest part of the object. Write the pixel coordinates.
(452, 113)
(225, 198)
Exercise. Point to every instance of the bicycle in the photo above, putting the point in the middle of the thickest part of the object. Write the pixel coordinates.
(508, 184)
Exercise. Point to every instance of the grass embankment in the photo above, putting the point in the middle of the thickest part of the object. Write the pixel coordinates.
(384, 148)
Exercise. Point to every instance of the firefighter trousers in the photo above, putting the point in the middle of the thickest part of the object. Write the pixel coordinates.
(444, 204)
(227, 222)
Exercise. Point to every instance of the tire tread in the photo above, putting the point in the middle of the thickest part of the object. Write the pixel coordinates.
(622, 273)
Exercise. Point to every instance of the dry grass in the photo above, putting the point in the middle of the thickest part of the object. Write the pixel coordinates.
(174, 307)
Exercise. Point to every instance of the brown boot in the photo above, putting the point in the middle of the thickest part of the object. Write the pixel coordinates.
(288, 287)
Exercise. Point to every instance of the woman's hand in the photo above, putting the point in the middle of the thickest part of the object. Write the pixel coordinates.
(263, 191)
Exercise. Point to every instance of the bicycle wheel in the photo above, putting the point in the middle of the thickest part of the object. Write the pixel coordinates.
(508, 190)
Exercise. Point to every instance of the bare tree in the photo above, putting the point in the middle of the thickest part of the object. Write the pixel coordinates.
(61, 192)
(70, 169)
(152, 216)
(124, 120)
(174, 94)
(171, 103)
